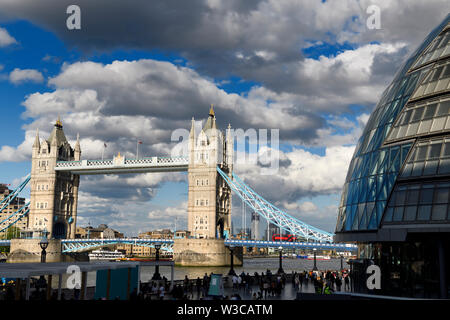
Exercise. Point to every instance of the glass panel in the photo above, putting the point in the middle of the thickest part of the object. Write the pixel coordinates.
(435, 150)
(444, 108)
(407, 170)
(430, 167)
(441, 195)
(424, 213)
(412, 129)
(444, 166)
(418, 114)
(417, 169)
(438, 124)
(398, 214)
(406, 118)
(412, 196)
(447, 149)
(430, 110)
(400, 198)
(410, 213)
(424, 126)
(439, 212)
(426, 195)
(422, 152)
(389, 213)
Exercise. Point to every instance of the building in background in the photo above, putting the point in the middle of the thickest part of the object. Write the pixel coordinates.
(15, 205)
(182, 234)
(395, 201)
(255, 226)
(141, 251)
(101, 232)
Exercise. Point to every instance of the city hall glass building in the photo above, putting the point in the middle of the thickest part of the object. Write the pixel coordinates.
(395, 201)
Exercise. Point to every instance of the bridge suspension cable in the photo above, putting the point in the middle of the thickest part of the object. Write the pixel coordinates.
(7, 200)
(272, 214)
(16, 216)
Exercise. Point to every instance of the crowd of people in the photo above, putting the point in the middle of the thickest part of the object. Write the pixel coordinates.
(325, 282)
(257, 286)
(260, 286)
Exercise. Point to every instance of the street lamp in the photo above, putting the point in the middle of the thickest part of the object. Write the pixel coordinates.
(315, 265)
(280, 269)
(156, 275)
(231, 272)
(43, 244)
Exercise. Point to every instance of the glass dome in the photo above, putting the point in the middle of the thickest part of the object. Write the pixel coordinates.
(400, 171)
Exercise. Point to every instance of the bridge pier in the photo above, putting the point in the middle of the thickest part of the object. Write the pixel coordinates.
(29, 250)
(204, 253)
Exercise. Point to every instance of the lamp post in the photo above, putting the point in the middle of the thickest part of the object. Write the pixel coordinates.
(156, 275)
(342, 262)
(280, 269)
(43, 244)
(315, 264)
(231, 272)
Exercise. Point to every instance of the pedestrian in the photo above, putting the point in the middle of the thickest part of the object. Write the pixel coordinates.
(347, 281)
(161, 292)
(198, 284)
(338, 283)
(265, 287)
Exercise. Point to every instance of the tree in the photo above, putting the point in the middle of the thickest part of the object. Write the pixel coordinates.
(10, 233)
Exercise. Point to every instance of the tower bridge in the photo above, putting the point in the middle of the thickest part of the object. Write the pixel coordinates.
(55, 178)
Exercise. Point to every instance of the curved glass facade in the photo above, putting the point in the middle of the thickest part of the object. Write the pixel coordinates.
(411, 116)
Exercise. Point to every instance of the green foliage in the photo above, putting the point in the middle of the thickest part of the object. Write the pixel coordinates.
(11, 233)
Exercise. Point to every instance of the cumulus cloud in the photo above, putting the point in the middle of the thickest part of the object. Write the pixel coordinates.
(18, 76)
(259, 40)
(5, 38)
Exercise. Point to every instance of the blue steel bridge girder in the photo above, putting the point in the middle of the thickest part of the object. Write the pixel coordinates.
(80, 245)
(291, 245)
(7, 200)
(272, 214)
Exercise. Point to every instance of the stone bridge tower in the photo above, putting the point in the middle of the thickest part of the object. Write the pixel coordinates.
(209, 197)
(54, 195)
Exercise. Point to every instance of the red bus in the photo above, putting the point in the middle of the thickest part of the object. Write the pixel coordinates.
(288, 237)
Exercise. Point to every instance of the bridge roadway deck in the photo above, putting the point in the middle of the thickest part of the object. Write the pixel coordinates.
(80, 244)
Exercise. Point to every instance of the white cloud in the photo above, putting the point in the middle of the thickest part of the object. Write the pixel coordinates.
(5, 38)
(18, 76)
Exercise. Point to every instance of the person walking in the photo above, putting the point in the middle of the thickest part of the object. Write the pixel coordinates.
(338, 282)
(161, 292)
(300, 280)
(265, 287)
(346, 281)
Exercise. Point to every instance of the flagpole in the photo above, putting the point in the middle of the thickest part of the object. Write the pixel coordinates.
(137, 149)
(103, 151)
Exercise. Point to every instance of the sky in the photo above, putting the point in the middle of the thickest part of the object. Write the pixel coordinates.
(139, 70)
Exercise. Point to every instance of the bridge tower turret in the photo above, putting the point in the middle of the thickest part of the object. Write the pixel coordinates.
(54, 195)
(209, 197)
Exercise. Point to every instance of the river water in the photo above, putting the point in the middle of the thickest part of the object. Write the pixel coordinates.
(250, 265)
